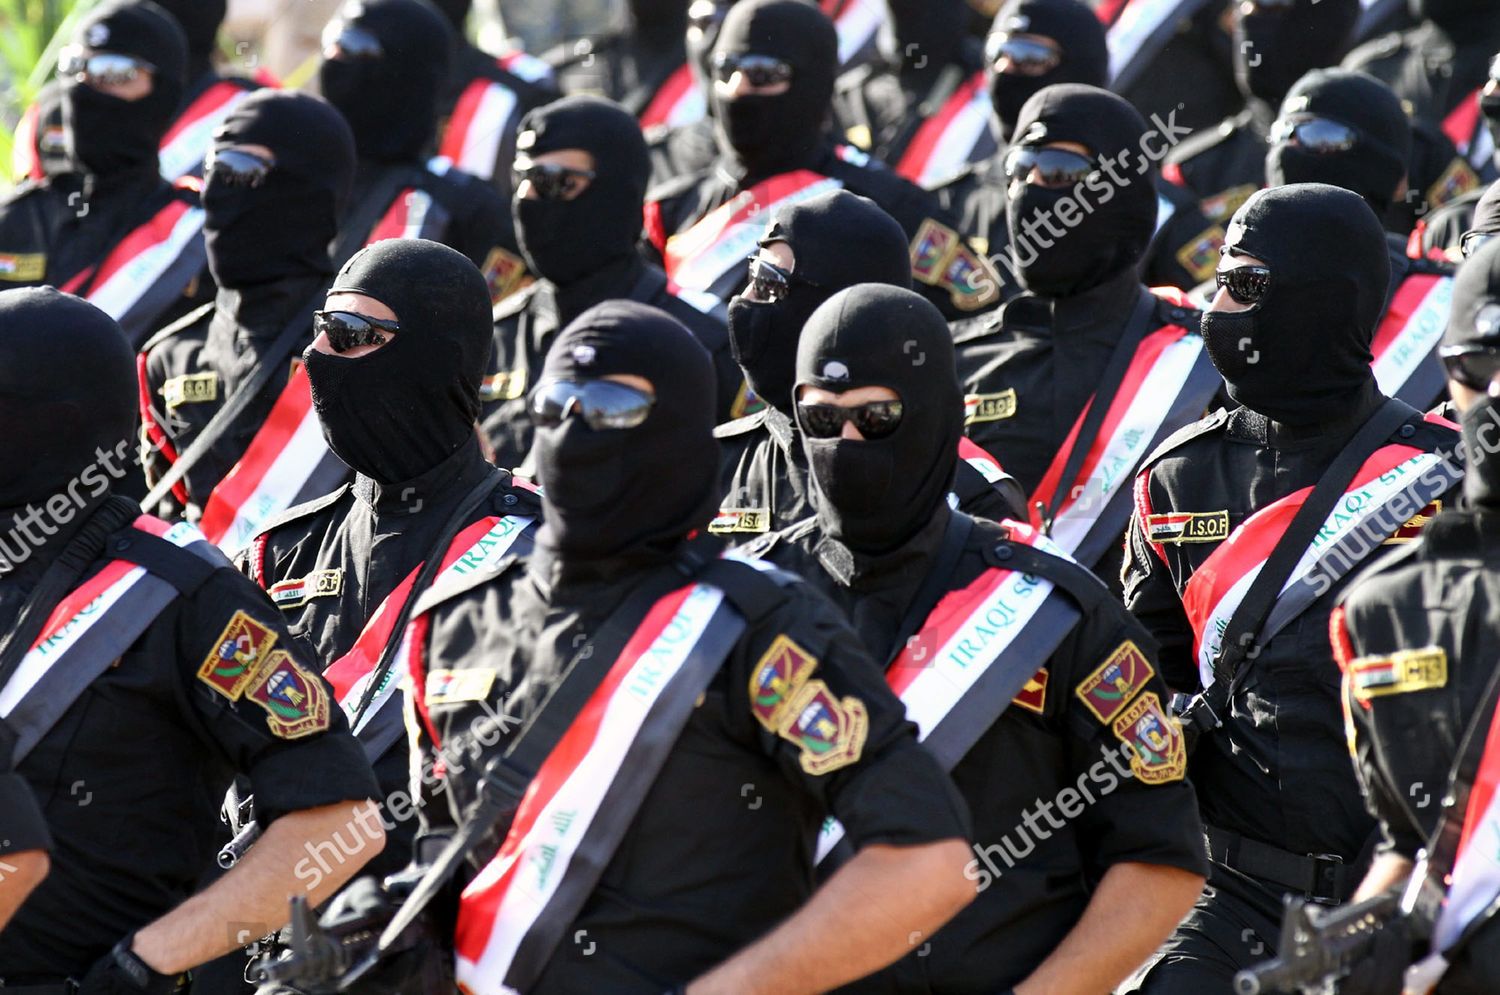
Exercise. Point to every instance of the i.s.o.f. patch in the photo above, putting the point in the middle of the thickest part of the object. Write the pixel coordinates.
(730, 520)
(1033, 696)
(298, 591)
(294, 699)
(1400, 673)
(1158, 753)
(776, 678)
(237, 656)
(1175, 528)
(1200, 256)
(1414, 525)
(1109, 688)
(506, 385)
(190, 388)
(830, 731)
(940, 258)
(446, 686)
(989, 407)
(22, 267)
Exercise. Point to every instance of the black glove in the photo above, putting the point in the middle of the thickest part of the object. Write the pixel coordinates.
(121, 972)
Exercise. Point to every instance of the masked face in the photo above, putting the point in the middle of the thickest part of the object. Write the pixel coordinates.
(1035, 43)
(1275, 46)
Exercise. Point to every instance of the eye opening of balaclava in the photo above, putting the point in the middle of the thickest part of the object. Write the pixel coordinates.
(108, 134)
(566, 240)
(607, 493)
(281, 228)
(1115, 221)
(771, 134)
(1276, 46)
(64, 414)
(819, 231)
(399, 411)
(1302, 354)
(875, 494)
(1375, 166)
(390, 100)
(1077, 31)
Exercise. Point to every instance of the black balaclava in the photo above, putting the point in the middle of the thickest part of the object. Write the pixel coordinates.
(928, 33)
(768, 135)
(1487, 210)
(1077, 31)
(1451, 15)
(107, 134)
(659, 20)
(200, 21)
(612, 492)
(1114, 235)
(1476, 285)
(874, 494)
(1302, 352)
(1377, 163)
(1489, 106)
(1276, 46)
(67, 392)
(390, 101)
(820, 232)
(282, 227)
(399, 411)
(566, 240)
(456, 11)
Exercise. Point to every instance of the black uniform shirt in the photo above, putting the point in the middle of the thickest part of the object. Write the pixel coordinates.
(21, 824)
(1222, 166)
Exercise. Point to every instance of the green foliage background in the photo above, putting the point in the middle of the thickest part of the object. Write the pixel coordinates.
(31, 31)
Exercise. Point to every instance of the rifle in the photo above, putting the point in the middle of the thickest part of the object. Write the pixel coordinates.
(1318, 946)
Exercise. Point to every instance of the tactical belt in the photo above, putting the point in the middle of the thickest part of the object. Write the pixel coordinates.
(1318, 877)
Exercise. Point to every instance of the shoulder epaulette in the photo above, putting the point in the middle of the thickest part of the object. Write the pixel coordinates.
(299, 511)
(1209, 423)
(741, 426)
(182, 324)
(514, 304)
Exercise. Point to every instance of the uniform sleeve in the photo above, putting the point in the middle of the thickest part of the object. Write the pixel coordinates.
(818, 704)
(1151, 595)
(256, 698)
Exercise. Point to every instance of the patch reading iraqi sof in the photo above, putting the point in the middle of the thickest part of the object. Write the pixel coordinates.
(1158, 752)
(22, 267)
(507, 385)
(1414, 525)
(1221, 206)
(504, 272)
(295, 593)
(730, 520)
(1188, 526)
(1109, 689)
(445, 686)
(829, 730)
(190, 388)
(1401, 672)
(1200, 255)
(294, 699)
(940, 258)
(989, 407)
(1033, 697)
(779, 674)
(237, 656)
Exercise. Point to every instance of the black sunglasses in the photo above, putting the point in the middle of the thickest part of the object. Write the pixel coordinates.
(875, 420)
(759, 70)
(1475, 364)
(769, 283)
(1319, 135)
(548, 179)
(100, 68)
(1470, 241)
(236, 168)
(602, 404)
(1246, 284)
(346, 42)
(1053, 168)
(347, 330)
(1023, 56)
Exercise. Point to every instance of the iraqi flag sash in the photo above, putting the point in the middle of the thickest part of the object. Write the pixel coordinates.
(958, 134)
(86, 632)
(1138, 32)
(189, 138)
(286, 463)
(1167, 385)
(975, 652)
(412, 214)
(858, 25)
(1475, 882)
(585, 795)
(484, 114)
(1406, 364)
(677, 103)
(1392, 486)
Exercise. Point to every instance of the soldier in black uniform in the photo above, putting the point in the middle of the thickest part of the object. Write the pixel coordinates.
(1274, 46)
(1082, 331)
(1302, 286)
(774, 68)
(811, 251)
(628, 65)
(384, 66)
(1028, 36)
(333, 564)
(280, 172)
(141, 672)
(1442, 229)
(743, 754)
(24, 840)
(885, 547)
(210, 94)
(582, 172)
(1416, 640)
(1185, 65)
(123, 80)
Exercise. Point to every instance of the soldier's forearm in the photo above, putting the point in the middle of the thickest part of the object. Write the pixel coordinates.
(1386, 871)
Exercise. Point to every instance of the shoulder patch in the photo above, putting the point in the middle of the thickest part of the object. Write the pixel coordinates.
(237, 656)
(190, 388)
(1033, 697)
(295, 593)
(458, 685)
(1109, 689)
(777, 678)
(1457, 180)
(294, 699)
(745, 403)
(1158, 753)
(1402, 672)
(989, 407)
(829, 730)
(1414, 525)
(1200, 254)
(1176, 528)
(1220, 207)
(504, 272)
(23, 267)
(506, 385)
(736, 520)
(941, 258)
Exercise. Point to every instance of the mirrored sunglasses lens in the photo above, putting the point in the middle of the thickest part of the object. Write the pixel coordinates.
(822, 421)
(879, 419)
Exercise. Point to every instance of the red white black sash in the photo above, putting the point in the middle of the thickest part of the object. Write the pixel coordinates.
(586, 794)
(977, 649)
(678, 102)
(1136, 30)
(1393, 485)
(413, 214)
(958, 134)
(187, 141)
(1166, 386)
(147, 270)
(87, 632)
(1475, 881)
(857, 23)
(486, 111)
(973, 454)
(475, 548)
(287, 462)
(1465, 127)
(25, 160)
(1406, 364)
(708, 260)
